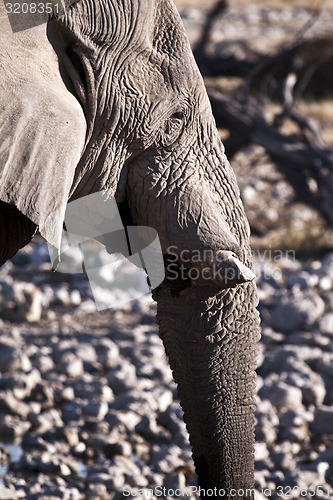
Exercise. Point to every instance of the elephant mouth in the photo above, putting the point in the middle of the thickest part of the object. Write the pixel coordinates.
(207, 269)
(217, 269)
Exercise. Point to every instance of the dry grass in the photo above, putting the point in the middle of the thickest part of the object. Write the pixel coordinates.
(307, 241)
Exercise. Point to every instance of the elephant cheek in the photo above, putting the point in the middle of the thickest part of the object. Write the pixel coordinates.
(211, 345)
(192, 227)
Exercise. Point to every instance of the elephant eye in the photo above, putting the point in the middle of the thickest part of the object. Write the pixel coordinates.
(172, 128)
(174, 122)
(177, 116)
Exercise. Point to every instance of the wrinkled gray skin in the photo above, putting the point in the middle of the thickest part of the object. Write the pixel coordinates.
(108, 97)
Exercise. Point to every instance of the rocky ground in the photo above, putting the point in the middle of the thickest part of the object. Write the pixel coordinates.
(87, 402)
(88, 398)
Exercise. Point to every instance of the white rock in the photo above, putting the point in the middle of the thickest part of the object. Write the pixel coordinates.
(44, 363)
(261, 451)
(71, 365)
(61, 296)
(7, 493)
(267, 422)
(325, 283)
(96, 409)
(311, 384)
(108, 353)
(47, 421)
(326, 323)
(126, 420)
(167, 459)
(282, 396)
(297, 312)
(75, 297)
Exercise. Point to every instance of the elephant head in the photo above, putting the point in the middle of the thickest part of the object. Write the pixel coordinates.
(107, 97)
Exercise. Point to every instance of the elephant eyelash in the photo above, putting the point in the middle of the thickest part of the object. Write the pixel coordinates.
(171, 130)
(177, 116)
(174, 125)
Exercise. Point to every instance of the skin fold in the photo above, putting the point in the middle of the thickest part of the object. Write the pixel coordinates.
(121, 107)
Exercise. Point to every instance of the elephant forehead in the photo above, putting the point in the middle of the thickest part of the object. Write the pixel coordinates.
(170, 52)
(141, 43)
(157, 75)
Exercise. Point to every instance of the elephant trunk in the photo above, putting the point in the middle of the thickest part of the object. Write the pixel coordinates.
(211, 345)
(207, 314)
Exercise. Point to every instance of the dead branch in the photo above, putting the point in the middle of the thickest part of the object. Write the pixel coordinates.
(201, 47)
(220, 64)
(299, 160)
(299, 68)
(305, 123)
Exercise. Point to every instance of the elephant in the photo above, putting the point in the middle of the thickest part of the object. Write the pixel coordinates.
(106, 97)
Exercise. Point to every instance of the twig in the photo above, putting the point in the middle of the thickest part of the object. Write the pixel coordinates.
(305, 123)
(201, 46)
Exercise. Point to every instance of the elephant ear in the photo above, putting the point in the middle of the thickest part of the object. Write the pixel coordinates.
(42, 129)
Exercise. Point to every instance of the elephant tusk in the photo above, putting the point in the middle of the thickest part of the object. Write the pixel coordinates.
(227, 271)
